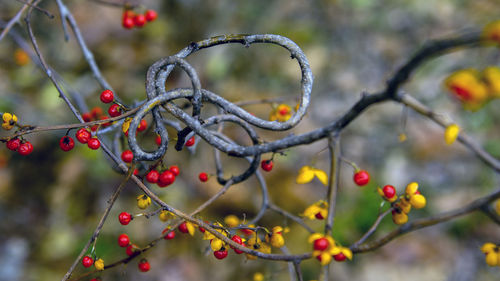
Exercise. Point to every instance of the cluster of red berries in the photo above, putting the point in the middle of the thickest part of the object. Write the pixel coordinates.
(131, 19)
(22, 147)
(94, 115)
(130, 249)
(164, 178)
(107, 96)
(66, 143)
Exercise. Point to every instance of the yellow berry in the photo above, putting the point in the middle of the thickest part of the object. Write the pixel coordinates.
(418, 201)
(492, 258)
(232, 221)
(216, 244)
(497, 207)
(488, 247)
(405, 206)
(411, 188)
(143, 201)
(99, 264)
(258, 276)
(399, 218)
(277, 240)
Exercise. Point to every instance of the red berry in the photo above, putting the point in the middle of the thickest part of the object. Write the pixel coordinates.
(13, 144)
(203, 177)
(128, 14)
(124, 218)
(190, 142)
(96, 112)
(143, 125)
(339, 257)
(174, 169)
(153, 176)
(389, 191)
(170, 235)
(123, 240)
(87, 261)
(94, 143)
(183, 227)
(128, 23)
(319, 216)
(246, 231)
(114, 110)
(144, 266)
(284, 111)
(96, 279)
(237, 239)
(220, 254)
(166, 178)
(87, 117)
(25, 148)
(267, 165)
(66, 143)
(151, 15)
(83, 135)
(139, 20)
(361, 178)
(127, 156)
(158, 140)
(321, 244)
(131, 249)
(107, 96)
(94, 128)
(136, 172)
(104, 117)
(202, 230)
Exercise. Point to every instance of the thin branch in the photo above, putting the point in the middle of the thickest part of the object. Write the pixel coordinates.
(425, 222)
(93, 238)
(290, 216)
(420, 108)
(372, 229)
(14, 20)
(333, 182)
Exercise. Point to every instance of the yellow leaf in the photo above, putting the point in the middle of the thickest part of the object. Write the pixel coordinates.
(347, 252)
(497, 207)
(191, 227)
(491, 75)
(165, 215)
(325, 258)
(451, 133)
(126, 124)
(306, 174)
(321, 175)
(315, 236)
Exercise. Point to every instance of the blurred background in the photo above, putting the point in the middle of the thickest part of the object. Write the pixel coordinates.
(51, 201)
